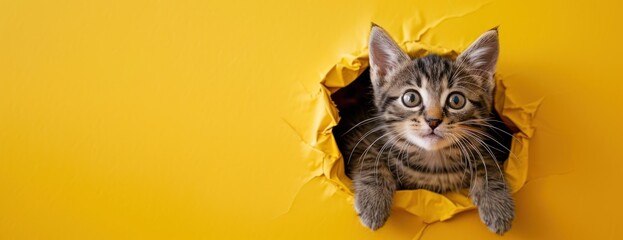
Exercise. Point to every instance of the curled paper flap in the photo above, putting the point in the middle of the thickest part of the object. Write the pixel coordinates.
(428, 205)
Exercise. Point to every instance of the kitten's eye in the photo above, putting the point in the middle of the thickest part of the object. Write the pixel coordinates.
(456, 100)
(411, 98)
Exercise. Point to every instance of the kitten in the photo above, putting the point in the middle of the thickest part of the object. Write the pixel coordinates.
(428, 127)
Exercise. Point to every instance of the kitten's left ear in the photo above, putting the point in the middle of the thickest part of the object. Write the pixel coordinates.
(385, 56)
(482, 55)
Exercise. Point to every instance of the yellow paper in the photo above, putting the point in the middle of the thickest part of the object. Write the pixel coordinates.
(212, 119)
(428, 205)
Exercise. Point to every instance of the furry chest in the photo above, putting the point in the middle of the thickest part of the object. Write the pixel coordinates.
(436, 173)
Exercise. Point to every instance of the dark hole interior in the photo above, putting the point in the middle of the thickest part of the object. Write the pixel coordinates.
(357, 97)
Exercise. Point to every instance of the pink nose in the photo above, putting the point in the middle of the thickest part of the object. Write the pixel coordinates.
(433, 123)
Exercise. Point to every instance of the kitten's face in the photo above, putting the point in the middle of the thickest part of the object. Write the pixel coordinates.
(430, 101)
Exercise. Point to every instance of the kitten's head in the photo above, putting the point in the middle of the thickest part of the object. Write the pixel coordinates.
(432, 101)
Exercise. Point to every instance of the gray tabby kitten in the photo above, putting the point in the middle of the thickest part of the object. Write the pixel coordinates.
(428, 129)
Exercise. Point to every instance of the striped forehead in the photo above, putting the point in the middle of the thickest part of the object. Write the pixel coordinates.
(434, 78)
(432, 75)
(432, 90)
(434, 70)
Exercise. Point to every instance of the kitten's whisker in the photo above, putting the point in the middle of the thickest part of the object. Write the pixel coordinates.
(457, 70)
(493, 120)
(389, 154)
(365, 153)
(493, 139)
(401, 155)
(372, 119)
(361, 139)
(471, 76)
(463, 154)
(471, 157)
(482, 159)
(484, 123)
(459, 82)
(490, 137)
(380, 153)
(511, 154)
(462, 65)
(494, 160)
(470, 73)
(486, 146)
(478, 70)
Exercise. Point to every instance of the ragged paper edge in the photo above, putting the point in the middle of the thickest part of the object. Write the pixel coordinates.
(430, 206)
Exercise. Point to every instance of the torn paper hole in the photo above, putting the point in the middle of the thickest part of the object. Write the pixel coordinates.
(347, 82)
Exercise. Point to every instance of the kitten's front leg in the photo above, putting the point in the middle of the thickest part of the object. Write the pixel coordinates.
(493, 198)
(374, 192)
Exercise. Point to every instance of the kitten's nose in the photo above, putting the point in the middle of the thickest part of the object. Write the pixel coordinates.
(433, 122)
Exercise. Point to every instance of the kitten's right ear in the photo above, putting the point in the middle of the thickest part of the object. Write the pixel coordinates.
(385, 55)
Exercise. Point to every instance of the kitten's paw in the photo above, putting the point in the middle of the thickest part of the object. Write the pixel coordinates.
(497, 224)
(373, 209)
(497, 213)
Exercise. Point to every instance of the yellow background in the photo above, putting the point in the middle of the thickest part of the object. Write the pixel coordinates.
(169, 119)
